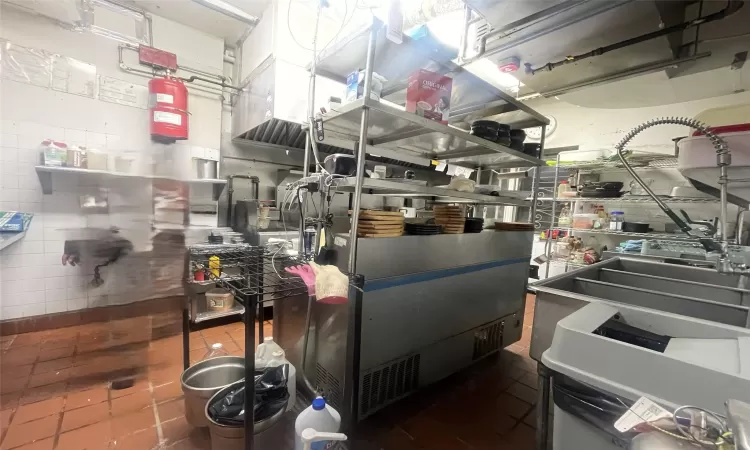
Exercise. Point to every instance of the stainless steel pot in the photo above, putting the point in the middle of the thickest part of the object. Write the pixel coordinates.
(201, 381)
(269, 433)
(206, 169)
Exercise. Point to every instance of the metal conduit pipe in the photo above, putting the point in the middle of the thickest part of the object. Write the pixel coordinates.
(732, 7)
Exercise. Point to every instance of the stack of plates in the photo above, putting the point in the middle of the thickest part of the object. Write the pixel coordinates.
(474, 225)
(373, 224)
(422, 229)
(452, 218)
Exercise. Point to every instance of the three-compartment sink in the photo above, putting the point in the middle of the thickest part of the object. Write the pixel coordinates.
(685, 290)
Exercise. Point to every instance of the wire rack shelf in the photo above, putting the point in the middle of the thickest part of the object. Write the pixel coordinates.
(635, 199)
(246, 270)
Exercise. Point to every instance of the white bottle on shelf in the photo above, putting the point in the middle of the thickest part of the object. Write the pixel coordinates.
(264, 352)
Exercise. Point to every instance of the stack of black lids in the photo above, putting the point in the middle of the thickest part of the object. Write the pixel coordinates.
(421, 228)
(474, 225)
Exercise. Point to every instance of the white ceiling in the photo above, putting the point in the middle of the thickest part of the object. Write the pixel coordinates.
(194, 15)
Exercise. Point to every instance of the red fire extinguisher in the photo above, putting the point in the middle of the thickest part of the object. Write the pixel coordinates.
(168, 109)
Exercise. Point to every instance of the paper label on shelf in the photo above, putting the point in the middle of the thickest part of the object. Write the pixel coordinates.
(642, 411)
(339, 241)
(164, 98)
(167, 117)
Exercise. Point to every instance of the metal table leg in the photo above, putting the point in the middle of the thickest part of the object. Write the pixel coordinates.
(250, 304)
(542, 407)
(185, 337)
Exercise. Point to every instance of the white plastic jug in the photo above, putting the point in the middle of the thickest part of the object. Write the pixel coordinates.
(310, 437)
(264, 352)
(320, 417)
(278, 358)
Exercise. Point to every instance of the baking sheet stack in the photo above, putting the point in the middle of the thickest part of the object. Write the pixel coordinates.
(451, 217)
(375, 224)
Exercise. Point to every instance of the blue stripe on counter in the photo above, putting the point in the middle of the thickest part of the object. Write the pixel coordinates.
(403, 280)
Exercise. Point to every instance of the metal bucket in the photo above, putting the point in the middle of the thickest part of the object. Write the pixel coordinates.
(270, 433)
(201, 381)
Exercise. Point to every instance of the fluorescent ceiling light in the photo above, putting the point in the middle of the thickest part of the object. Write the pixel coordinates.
(488, 71)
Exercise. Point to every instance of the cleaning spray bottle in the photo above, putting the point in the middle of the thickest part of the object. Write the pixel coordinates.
(318, 416)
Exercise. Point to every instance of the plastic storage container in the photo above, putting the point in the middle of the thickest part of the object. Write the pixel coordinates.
(585, 221)
(270, 354)
(616, 218)
(320, 417)
(219, 300)
(563, 188)
(565, 217)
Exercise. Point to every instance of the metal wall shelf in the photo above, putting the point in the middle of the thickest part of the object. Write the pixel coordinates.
(440, 195)
(666, 236)
(639, 161)
(639, 199)
(391, 127)
(45, 177)
(472, 97)
(211, 315)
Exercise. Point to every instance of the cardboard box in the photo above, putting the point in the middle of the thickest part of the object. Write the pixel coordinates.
(429, 95)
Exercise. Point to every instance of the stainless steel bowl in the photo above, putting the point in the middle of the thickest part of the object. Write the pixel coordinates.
(201, 381)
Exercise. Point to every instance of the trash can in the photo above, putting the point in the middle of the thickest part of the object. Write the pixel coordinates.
(270, 433)
(201, 381)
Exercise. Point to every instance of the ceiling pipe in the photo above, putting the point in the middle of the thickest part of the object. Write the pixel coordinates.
(732, 7)
(521, 24)
(229, 11)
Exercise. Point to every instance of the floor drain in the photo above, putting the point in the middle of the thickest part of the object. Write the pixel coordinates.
(122, 384)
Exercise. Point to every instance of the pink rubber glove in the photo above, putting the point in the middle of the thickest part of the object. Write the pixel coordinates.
(306, 273)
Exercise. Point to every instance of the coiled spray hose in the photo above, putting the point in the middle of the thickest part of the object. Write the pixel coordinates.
(723, 160)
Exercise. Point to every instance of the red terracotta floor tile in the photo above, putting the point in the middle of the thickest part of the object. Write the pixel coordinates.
(44, 444)
(13, 385)
(33, 411)
(53, 365)
(167, 391)
(87, 415)
(56, 353)
(126, 424)
(131, 403)
(42, 393)
(30, 431)
(164, 375)
(9, 401)
(9, 372)
(86, 398)
(171, 410)
(522, 437)
(176, 430)
(199, 439)
(51, 344)
(143, 440)
(55, 376)
(20, 356)
(512, 406)
(523, 392)
(5, 416)
(529, 379)
(91, 437)
(27, 339)
(431, 434)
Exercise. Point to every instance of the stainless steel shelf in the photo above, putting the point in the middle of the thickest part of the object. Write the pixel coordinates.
(666, 236)
(45, 177)
(393, 128)
(472, 97)
(638, 160)
(439, 195)
(210, 315)
(640, 199)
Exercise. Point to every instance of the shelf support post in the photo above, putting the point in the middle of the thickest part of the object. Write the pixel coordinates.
(548, 244)
(250, 302)
(362, 146)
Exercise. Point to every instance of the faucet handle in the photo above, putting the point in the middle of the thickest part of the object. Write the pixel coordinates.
(711, 226)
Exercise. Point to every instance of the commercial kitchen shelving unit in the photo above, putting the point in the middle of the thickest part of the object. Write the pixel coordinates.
(370, 124)
(640, 162)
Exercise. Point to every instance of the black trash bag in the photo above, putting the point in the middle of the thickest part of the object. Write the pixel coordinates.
(271, 395)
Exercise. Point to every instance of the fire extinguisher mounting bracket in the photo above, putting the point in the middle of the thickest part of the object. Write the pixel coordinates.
(158, 59)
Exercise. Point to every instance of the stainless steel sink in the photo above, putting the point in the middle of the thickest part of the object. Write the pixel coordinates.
(684, 290)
